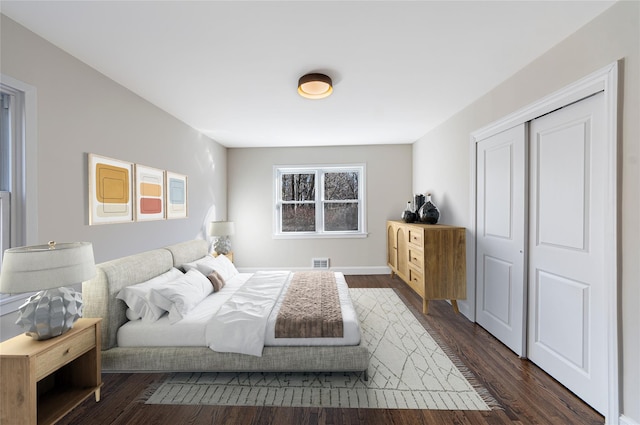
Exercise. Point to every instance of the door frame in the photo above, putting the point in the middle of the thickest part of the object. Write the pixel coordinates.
(605, 80)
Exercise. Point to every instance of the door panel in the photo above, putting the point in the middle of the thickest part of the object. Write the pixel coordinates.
(500, 237)
(392, 247)
(402, 253)
(562, 188)
(567, 337)
(497, 293)
(567, 298)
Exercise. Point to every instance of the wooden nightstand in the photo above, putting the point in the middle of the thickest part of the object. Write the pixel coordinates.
(41, 381)
(229, 255)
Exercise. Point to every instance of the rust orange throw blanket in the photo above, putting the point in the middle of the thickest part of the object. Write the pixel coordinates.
(311, 307)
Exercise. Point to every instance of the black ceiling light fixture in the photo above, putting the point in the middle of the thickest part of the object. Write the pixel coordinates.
(315, 86)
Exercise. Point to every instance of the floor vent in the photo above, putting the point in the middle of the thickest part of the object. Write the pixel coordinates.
(320, 263)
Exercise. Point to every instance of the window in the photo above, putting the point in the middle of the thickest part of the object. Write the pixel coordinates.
(323, 201)
(6, 149)
(18, 190)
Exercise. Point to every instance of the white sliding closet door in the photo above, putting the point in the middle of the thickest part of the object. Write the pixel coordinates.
(500, 236)
(567, 324)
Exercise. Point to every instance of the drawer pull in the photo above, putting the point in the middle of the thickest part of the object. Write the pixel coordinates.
(66, 352)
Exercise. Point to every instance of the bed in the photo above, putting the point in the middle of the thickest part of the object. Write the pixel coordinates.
(136, 345)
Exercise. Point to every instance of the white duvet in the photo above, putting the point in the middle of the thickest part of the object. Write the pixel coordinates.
(239, 319)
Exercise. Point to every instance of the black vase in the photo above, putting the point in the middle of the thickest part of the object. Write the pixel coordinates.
(418, 201)
(408, 216)
(428, 212)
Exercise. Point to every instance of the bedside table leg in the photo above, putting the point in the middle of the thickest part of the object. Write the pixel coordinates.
(454, 304)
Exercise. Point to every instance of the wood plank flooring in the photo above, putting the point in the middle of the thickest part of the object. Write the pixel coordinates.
(526, 394)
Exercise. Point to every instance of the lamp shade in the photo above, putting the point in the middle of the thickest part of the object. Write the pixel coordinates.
(315, 86)
(33, 268)
(221, 228)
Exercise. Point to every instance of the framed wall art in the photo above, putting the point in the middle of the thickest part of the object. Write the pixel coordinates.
(149, 184)
(176, 201)
(110, 190)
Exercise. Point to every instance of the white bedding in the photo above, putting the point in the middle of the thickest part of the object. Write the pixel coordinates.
(192, 329)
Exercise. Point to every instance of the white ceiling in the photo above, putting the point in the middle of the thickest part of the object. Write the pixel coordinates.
(230, 69)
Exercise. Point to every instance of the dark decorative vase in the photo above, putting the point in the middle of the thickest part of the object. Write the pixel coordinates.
(418, 202)
(408, 216)
(429, 213)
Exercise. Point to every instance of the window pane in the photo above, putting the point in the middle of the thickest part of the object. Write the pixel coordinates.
(298, 218)
(298, 187)
(341, 186)
(340, 217)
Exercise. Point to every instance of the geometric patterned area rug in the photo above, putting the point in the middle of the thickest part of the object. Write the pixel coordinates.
(407, 370)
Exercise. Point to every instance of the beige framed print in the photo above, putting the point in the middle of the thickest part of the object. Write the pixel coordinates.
(149, 190)
(176, 202)
(110, 190)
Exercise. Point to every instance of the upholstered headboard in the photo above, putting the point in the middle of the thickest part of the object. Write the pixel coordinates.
(186, 252)
(99, 293)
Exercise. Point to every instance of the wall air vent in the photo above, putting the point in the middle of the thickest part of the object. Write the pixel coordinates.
(320, 263)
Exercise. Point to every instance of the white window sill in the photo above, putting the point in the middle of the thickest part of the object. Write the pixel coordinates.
(13, 302)
(320, 236)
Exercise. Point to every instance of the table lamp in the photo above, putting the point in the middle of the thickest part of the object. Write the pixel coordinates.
(222, 230)
(48, 268)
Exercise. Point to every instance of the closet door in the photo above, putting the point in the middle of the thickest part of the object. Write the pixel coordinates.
(567, 335)
(500, 236)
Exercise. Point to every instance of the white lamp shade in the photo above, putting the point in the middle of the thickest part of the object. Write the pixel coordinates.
(221, 228)
(33, 268)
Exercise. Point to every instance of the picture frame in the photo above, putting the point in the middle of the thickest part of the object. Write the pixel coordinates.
(149, 193)
(110, 190)
(177, 192)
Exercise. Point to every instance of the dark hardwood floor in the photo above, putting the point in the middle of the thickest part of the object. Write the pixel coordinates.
(526, 394)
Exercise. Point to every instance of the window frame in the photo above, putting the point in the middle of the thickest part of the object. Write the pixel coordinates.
(319, 202)
(24, 186)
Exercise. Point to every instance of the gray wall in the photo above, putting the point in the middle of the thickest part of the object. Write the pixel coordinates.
(250, 177)
(80, 111)
(441, 158)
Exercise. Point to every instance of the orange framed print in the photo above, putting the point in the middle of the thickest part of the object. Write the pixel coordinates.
(110, 190)
(149, 189)
(176, 201)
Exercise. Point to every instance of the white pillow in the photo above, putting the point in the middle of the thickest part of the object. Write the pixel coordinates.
(132, 315)
(204, 265)
(208, 264)
(225, 267)
(182, 295)
(137, 297)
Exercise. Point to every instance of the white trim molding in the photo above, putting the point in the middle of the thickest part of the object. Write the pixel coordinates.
(356, 270)
(604, 80)
(625, 420)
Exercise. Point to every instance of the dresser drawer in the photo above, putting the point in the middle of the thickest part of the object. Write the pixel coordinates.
(65, 352)
(416, 281)
(416, 236)
(416, 257)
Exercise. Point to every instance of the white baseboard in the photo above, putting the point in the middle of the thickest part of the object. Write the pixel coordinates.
(344, 270)
(625, 420)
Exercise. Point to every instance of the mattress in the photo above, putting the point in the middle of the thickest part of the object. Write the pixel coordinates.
(191, 330)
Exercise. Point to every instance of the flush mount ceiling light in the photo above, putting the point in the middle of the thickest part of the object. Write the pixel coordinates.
(315, 86)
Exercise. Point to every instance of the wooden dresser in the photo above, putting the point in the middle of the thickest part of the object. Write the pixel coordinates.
(430, 258)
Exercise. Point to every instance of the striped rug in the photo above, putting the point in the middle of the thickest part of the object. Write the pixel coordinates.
(408, 370)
